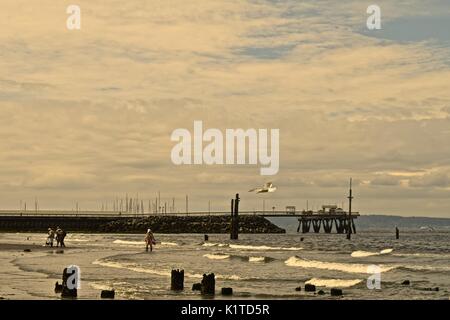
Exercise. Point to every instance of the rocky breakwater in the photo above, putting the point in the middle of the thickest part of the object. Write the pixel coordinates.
(190, 224)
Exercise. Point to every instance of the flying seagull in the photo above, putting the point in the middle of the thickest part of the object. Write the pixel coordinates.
(267, 187)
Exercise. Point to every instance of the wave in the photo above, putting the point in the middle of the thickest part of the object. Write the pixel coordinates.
(265, 248)
(142, 243)
(224, 256)
(168, 244)
(424, 255)
(331, 283)
(211, 244)
(250, 247)
(438, 269)
(336, 266)
(99, 286)
(257, 259)
(217, 256)
(135, 268)
(77, 240)
(361, 254)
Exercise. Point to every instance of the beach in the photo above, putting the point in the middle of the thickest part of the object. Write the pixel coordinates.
(265, 266)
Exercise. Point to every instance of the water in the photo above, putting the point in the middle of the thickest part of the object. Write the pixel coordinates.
(256, 266)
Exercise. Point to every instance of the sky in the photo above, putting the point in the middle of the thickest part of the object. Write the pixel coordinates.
(86, 115)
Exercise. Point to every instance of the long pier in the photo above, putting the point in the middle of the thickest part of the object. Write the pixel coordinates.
(344, 223)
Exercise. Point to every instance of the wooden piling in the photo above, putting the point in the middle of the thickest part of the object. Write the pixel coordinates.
(234, 225)
(66, 291)
(208, 284)
(177, 280)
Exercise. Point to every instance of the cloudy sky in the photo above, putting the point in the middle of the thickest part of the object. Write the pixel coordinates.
(86, 115)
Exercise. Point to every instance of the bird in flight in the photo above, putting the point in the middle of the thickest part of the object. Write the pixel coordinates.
(267, 187)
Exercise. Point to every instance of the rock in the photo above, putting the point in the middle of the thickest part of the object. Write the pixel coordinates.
(321, 292)
(310, 287)
(406, 283)
(432, 289)
(298, 289)
(336, 292)
(197, 287)
(58, 287)
(108, 294)
(27, 250)
(227, 291)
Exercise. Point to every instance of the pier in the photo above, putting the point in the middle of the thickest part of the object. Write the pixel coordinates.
(342, 222)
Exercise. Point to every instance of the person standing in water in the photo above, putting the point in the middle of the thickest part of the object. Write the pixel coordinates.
(51, 236)
(58, 236)
(149, 240)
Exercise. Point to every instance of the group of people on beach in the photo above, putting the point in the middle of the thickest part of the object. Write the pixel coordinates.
(58, 234)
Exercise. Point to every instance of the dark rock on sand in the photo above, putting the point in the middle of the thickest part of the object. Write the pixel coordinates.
(310, 287)
(108, 294)
(227, 291)
(197, 287)
(298, 289)
(336, 292)
(58, 287)
(406, 283)
(27, 250)
(321, 292)
(432, 289)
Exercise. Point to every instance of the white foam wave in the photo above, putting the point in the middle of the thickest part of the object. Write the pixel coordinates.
(169, 244)
(331, 283)
(264, 248)
(256, 259)
(361, 254)
(142, 243)
(129, 243)
(217, 256)
(135, 268)
(77, 240)
(336, 266)
(212, 244)
(428, 268)
(129, 266)
(99, 286)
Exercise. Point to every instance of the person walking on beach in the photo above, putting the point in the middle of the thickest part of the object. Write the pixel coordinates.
(58, 236)
(51, 236)
(63, 236)
(149, 240)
